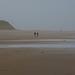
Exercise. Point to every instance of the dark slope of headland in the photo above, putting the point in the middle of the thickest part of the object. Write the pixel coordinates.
(4, 25)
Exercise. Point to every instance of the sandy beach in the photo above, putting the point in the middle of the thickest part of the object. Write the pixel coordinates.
(28, 34)
(36, 61)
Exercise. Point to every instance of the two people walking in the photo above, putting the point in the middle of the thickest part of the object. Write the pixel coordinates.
(36, 34)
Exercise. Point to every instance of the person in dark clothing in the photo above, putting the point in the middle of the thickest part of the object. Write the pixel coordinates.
(35, 34)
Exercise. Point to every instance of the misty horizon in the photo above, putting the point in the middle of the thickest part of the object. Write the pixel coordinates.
(39, 15)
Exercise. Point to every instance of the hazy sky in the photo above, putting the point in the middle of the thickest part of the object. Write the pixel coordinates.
(39, 14)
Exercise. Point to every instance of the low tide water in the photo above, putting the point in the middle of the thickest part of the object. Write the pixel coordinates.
(67, 45)
(38, 46)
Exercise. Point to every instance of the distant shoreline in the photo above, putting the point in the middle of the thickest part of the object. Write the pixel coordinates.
(28, 34)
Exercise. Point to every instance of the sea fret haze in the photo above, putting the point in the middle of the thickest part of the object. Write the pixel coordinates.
(39, 14)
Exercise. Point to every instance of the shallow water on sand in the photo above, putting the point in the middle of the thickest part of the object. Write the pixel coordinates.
(39, 46)
(67, 45)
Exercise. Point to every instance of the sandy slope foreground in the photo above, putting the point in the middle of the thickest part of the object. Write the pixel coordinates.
(37, 61)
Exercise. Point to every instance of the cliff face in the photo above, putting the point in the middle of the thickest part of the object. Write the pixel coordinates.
(6, 25)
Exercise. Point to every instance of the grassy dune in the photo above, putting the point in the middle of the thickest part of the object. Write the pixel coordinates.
(5, 25)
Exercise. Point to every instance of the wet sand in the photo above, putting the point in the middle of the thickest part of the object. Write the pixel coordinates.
(36, 61)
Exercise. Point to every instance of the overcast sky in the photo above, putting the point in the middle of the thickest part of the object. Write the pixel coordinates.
(39, 14)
